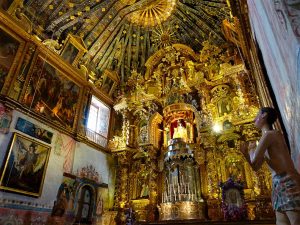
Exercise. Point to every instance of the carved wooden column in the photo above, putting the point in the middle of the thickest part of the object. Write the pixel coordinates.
(122, 195)
(153, 187)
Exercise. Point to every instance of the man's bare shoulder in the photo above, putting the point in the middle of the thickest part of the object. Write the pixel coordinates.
(272, 135)
(273, 132)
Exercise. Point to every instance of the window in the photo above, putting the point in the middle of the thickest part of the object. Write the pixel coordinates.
(98, 122)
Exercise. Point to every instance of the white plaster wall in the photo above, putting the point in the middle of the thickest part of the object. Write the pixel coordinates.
(279, 44)
(53, 177)
(102, 162)
(84, 155)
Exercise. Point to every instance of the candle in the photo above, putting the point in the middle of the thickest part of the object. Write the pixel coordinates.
(188, 185)
(174, 193)
(178, 187)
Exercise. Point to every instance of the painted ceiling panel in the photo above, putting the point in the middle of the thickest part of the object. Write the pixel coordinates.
(121, 34)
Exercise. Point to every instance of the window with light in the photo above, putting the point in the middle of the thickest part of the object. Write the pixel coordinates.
(98, 122)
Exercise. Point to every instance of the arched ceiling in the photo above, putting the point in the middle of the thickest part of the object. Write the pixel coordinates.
(122, 34)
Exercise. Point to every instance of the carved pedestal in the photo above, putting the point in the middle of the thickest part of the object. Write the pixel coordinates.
(185, 210)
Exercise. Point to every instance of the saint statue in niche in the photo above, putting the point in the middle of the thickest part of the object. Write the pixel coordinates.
(180, 131)
(143, 179)
(224, 106)
(145, 190)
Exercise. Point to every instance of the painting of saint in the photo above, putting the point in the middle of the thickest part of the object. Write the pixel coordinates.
(5, 4)
(51, 94)
(8, 50)
(70, 53)
(25, 167)
(107, 85)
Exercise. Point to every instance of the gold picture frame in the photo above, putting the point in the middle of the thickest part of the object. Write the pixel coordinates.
(73, 49)
(110, 82)
(52, 92)
(11, 49)
(25, 166)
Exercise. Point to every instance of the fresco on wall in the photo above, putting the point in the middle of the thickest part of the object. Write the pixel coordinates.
(33, 130)
(51, 94)
(25, 166)
(5, 119)
(8, 50)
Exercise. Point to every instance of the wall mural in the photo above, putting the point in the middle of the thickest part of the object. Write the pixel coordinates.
(34, 130)
(25, 167)
(5, 119)
(51, 94)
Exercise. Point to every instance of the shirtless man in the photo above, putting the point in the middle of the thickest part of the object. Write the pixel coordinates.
(273, 149)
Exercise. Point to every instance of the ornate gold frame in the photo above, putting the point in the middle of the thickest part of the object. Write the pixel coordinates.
(113, 77)
(51, 58)
(14, 67)
(78, 44)
(9, 162)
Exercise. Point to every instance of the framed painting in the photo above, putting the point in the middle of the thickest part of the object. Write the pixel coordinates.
(25, 166)
(110, 81)
(51, 93)
(73, 49)
(107, 85)
(33, 130)
(10, 48)
(70, 53)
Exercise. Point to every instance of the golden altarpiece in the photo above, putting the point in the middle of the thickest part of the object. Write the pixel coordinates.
(182, 123)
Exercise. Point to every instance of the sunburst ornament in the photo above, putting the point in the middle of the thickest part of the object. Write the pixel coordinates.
(162, 37)
(153, 13)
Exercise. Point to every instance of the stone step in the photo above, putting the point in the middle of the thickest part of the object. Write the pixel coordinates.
(201, 222)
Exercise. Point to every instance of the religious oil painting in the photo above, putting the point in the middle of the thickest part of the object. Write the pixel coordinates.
(107, 85)
(5, 4)
(25, 167)
(69, 54)
(8, 50)
(33, 130)
(52, 94)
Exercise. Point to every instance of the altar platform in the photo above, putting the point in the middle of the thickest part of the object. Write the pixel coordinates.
(201, 222)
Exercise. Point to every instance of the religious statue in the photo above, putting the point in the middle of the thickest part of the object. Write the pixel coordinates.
(144, 191)
(60, 206)
(180, 132)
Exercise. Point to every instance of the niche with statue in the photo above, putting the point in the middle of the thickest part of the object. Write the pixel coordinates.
(233, 200)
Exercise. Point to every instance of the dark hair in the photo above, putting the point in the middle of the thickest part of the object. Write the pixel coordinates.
(271, 114)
